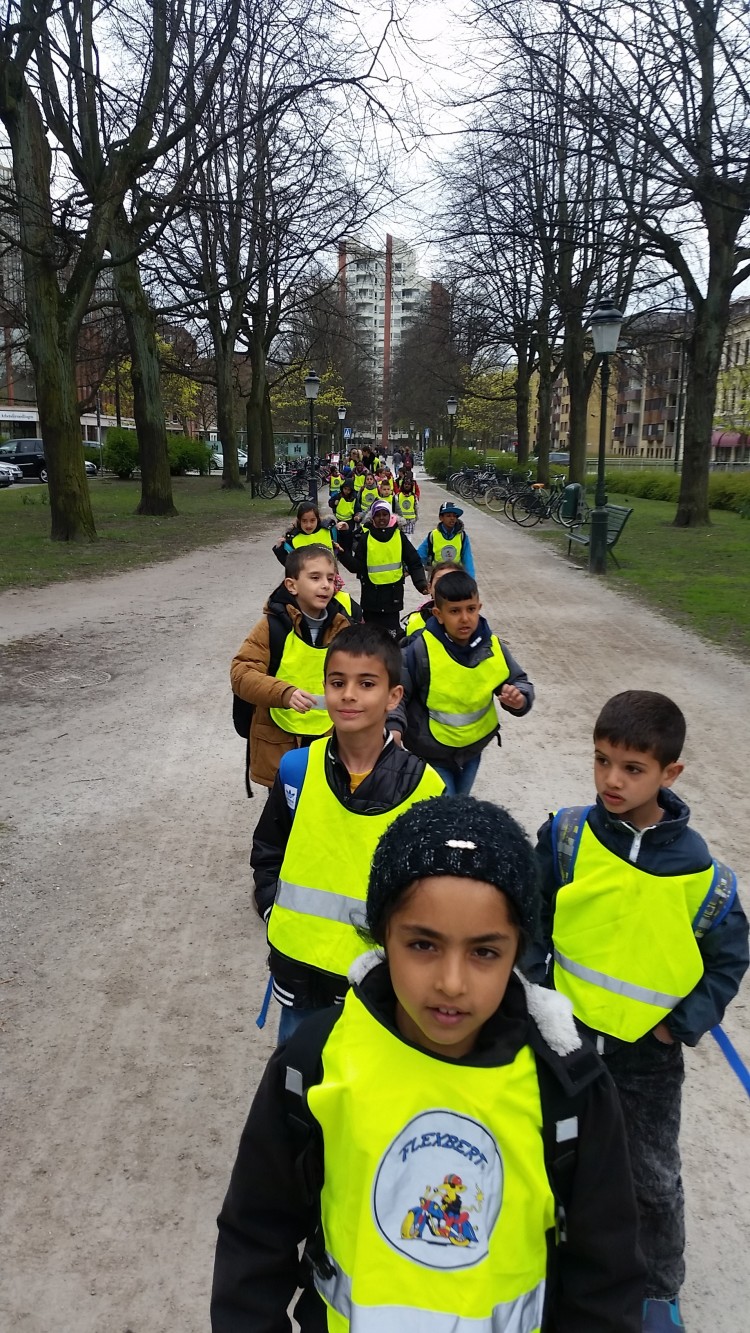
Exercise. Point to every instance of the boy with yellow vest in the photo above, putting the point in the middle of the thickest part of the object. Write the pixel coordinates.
(644, 933)
(453, 671)
(279, 668)
(449, 540)
(448, 1149)
(329, 805)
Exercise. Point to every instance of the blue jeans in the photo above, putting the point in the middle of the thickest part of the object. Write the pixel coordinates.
(291, 1019)
(458, 781)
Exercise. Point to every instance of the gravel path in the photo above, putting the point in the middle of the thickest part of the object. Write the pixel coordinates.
(132, 965)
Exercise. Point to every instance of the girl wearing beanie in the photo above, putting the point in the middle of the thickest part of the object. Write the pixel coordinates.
(449, 1151)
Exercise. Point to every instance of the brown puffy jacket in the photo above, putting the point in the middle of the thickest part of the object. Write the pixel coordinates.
(251, 681)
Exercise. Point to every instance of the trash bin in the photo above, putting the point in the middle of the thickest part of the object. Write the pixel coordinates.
(572, 501)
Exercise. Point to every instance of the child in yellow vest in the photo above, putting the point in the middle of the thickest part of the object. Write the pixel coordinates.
(446, 1147)
(454, 669)
(279, 667)
(330, 803)
(649, 942)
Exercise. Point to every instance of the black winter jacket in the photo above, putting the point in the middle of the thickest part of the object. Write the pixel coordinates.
(393, 779)
(383, 596)
(411, 718)
(596, 1276)
(670, 847)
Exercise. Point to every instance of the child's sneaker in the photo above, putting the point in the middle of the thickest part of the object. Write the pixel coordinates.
(662, 1316)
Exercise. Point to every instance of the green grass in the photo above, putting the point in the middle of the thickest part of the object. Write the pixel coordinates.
(699, 577)
(207, 515)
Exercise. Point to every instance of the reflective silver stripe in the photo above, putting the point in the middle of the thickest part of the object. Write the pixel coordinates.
(458, 719)
(523, 1315)
(383, 569)
(318, 902)
(626, 988)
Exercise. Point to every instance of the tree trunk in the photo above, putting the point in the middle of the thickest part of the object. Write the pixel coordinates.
(51, 343)
(704, 362)
(268, 444)
(148, 408)
(544, 397)
(254, 411)
(226, 419)
(578, 391)
(523, 398)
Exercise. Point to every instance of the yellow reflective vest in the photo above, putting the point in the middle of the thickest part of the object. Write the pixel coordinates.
(359, 481)
(344, 600)
(624, 947)
(334, 482)
(323, 879)
(369, 496)
(408, 505)
(345, 508)
(436, 1206)
(460, 700)
(415, 622)
(320, 538)
(385, 559)
(446, 548)
(302, 666)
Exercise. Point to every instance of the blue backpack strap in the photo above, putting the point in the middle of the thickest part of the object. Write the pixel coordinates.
(718, 900)
(567, 828)
(292, 770)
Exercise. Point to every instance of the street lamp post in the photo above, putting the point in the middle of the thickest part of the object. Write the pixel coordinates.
(452, 406)
(606, 322)
(312, 386)
(341, 412)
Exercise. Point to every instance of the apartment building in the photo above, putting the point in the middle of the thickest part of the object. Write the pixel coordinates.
(385, 293)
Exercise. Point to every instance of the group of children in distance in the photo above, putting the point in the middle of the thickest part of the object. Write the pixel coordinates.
(474, 1125)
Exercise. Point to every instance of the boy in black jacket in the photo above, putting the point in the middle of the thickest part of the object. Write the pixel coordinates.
(380, 556)
(329, 805)
(646, 936)
(448, 1149)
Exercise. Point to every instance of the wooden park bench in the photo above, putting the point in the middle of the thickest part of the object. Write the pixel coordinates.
(617, 517)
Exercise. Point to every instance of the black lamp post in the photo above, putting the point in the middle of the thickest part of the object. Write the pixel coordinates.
(312, 386)
(452, 406)
(341, 413)
(606, 323)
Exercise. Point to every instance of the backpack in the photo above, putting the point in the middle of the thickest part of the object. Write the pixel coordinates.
(567, 828)
(242, 711)
(563, 1087)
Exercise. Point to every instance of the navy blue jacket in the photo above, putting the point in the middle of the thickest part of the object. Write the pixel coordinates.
(670, 847)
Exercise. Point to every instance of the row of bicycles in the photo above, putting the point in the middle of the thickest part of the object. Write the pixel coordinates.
(293, 481)
(516, 496)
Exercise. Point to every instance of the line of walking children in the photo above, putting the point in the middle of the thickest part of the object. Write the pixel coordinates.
(477, 1124)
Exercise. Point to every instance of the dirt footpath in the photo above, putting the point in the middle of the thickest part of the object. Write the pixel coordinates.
(132, 965)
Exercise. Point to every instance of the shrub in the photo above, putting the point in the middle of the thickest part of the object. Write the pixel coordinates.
(437, 461)
(121, 452)
(726, 490)
(187, 455)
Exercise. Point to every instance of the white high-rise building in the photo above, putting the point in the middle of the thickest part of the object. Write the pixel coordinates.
(385, 293)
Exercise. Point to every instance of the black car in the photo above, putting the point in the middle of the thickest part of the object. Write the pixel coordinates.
(27, 454)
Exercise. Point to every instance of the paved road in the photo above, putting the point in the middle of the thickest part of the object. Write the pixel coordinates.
(132, 966)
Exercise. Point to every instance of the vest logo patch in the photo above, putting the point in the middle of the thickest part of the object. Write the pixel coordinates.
(448, 551)
(291, 794)
(438, 1190)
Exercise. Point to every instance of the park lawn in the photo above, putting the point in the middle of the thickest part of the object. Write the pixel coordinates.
(206, 516)
(699, 577)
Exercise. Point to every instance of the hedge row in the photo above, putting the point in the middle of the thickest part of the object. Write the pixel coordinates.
(185, 454)
(439, 464)
(726, 490)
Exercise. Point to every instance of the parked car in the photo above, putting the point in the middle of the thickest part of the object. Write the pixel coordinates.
(217, 460)
(10, 472)
(26, 454)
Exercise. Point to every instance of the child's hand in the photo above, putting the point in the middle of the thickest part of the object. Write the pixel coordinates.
(510, 697)
(300, 701)
(276, 545)
(336, 547)
(343, 527)
(662, 1034)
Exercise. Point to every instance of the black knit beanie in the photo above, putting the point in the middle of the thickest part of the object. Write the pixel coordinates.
(452, 835)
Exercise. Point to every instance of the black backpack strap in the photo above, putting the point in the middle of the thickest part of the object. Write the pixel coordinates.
(304, 1067)
(564, 1082)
